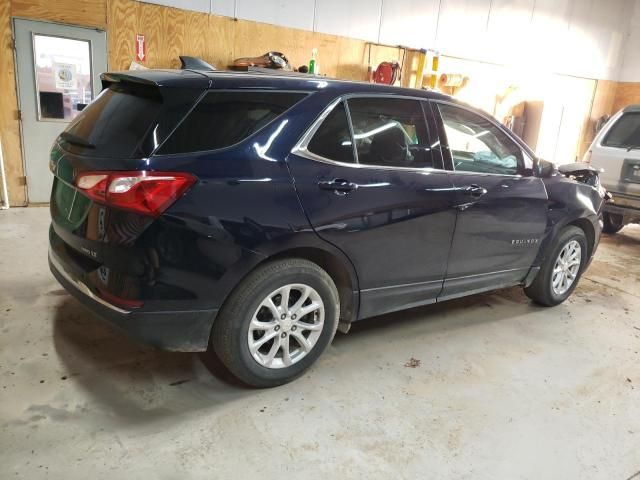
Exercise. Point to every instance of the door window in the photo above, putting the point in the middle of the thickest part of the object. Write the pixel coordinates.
(333, 139)
(63, 76)
(390, 132)
(477, 145)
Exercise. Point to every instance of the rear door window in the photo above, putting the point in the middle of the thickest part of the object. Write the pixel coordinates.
(625, 133)
(222, 119)
(332, 140)
(390, 132)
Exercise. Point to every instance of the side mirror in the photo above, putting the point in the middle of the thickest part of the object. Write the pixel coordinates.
(545, 169)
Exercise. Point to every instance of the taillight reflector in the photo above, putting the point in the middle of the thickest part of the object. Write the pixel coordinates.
(120, 302)
(149, 193)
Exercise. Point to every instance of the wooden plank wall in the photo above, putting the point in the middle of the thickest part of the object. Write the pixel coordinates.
(9, 125)
(170, 32)
(626, 94)
(88, 13)
(603, 100)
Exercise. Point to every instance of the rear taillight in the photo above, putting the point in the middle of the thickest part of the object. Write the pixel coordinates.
(149, 193)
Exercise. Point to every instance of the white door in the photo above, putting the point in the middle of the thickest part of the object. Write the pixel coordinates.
(58, 70)
(566, 107)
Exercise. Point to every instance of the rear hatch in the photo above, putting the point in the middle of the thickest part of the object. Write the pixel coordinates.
(105, 195)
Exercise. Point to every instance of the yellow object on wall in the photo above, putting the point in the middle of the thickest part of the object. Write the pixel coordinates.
(435, 64)
(422, 62)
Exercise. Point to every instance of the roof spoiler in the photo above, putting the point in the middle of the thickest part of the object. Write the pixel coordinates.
(108, 78)
(157, 78)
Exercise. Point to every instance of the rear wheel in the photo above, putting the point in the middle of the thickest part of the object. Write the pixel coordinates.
(613, 222)
(562, 268)
(277, 322)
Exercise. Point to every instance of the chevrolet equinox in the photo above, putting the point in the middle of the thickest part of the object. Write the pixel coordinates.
(257, 213)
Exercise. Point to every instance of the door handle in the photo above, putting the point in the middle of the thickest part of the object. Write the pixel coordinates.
(474, 191)
(339, 185)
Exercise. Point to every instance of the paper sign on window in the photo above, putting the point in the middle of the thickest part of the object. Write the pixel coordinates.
(65, 76)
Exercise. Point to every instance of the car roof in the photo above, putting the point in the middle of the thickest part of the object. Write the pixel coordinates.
(276, 79)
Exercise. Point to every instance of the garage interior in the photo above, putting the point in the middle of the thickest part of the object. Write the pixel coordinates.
(490, 386)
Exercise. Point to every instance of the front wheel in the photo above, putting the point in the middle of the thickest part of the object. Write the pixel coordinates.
(562, 268)
(612, 222)
(277, 322)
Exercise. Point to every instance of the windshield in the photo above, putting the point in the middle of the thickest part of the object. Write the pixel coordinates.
(625, 133)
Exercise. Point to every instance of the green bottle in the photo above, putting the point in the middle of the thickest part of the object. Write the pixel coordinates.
(313, 67)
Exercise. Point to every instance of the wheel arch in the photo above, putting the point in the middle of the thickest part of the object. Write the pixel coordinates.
(333, 261)
(561, 218)
(587, 227)
(345, 280)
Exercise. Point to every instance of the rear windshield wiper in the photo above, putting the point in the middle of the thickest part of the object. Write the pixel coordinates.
(76, 140)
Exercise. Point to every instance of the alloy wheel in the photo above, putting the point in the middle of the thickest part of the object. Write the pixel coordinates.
(286, 326)
(566, 268)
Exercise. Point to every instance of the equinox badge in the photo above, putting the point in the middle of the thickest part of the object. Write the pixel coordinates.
(524, 241)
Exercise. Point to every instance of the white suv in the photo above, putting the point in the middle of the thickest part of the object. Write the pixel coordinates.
(616, 149)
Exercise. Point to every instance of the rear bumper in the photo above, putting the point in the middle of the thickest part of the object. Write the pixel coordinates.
(623, 204)
(184, 331)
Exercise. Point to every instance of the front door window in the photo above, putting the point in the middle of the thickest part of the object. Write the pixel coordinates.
(477, 145)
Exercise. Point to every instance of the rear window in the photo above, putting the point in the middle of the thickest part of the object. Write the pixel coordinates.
(222, 119)
(115, 124)
(625, 133)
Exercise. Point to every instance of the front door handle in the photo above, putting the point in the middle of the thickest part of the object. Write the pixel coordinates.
(474, 191)
(338, 185)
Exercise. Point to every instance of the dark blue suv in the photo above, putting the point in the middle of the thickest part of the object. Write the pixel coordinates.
(259, 213)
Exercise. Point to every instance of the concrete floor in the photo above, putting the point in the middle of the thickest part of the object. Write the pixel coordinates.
(503, 389)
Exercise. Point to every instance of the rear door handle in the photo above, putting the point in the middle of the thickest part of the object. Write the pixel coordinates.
(474, 191)
(338, 185)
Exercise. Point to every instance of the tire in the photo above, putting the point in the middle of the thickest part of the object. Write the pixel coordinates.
(248, 318)
(613, 223)
(543, 290)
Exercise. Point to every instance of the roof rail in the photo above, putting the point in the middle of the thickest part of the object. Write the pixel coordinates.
(279, 71)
